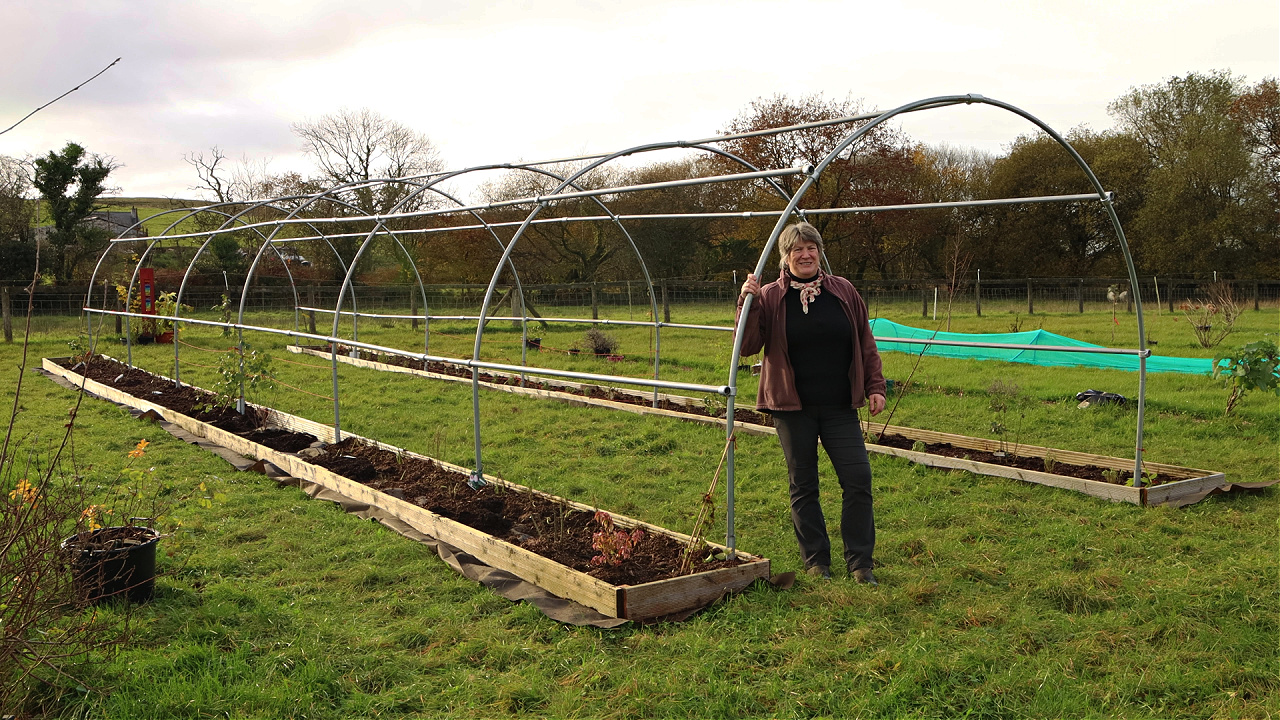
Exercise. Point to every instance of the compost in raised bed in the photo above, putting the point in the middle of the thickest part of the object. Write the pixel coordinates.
(557, 531)
(744, 415)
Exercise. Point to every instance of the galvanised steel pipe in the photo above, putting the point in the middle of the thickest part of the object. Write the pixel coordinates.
(464, 362)
(730, 215)
(539, 199)
(542, 202)
(1108, 204)
(491, 318)
(182, 287)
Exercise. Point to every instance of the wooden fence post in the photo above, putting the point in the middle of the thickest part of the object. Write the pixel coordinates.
(924, 301)
(977, 296)
(1031, 307)
(595, 310)
(1255, 294)
(413, 307)
(311, 314)
(666, 304)
(8, 320)
(1080, 296)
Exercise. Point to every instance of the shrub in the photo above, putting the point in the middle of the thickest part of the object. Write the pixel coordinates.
(599, 343)
(1255, 366)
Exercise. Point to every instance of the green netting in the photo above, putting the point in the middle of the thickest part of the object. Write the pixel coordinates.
(882, 329)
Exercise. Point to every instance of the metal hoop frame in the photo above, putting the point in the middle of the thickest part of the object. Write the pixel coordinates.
(567, 188)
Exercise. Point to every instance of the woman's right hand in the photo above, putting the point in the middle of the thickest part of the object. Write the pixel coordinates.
(751, 286)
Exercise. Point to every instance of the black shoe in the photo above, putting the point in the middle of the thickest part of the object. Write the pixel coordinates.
(819, 571)
(863, 576)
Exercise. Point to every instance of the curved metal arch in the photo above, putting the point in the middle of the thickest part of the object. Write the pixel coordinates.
(138, 265)
(177, 376)
(572, 182)
(347, 275)
(413, 263)
(942, 101)
(506, 260)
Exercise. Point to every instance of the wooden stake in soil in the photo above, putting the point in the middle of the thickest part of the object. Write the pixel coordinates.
(705, 512)
(8, 320)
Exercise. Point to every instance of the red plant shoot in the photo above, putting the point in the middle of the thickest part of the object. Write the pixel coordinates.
(614, 545)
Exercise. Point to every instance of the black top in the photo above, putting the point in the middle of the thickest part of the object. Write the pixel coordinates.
(820, 348)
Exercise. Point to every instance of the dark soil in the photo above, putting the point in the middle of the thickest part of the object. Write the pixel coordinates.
(1085, 472)
(536, 523)
(743, 415)
(553, 530)
(110, 538)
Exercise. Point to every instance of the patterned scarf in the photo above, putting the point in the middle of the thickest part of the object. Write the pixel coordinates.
(808, 290)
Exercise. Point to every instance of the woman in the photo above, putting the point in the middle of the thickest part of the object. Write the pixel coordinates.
(820, 365)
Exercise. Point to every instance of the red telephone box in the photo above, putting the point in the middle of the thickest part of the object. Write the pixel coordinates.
(147, 279)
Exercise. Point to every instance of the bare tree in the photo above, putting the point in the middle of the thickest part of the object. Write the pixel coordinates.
(245, 181)
(354, 146)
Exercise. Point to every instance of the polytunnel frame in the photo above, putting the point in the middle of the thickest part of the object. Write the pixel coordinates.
(154, 240)
(176, 318)
(571, 181)
(811, 173)
(931, 103)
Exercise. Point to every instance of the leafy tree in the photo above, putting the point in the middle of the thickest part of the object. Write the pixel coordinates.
(879, 171)
(1061, 238)
(70, 183)
(17, 251)
(1207, 204)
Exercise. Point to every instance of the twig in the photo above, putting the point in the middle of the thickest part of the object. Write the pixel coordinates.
(686, 563)
(86, 82)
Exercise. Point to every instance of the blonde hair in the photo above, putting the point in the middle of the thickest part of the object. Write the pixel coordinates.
(793, 234)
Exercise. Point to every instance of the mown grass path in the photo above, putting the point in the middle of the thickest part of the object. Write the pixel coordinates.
(996, 599)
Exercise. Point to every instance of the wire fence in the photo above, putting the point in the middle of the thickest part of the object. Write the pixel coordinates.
(1025, 295)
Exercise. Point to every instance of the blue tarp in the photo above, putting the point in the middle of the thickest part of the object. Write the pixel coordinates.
(882, 329)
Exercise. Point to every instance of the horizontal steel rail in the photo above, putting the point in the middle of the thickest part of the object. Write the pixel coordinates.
(463, 362)
(913, 341)
(1047, 348)
(585, 321)
(747, 214)
(532, 200)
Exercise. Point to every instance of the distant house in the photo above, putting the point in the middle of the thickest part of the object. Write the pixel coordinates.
(117, 224)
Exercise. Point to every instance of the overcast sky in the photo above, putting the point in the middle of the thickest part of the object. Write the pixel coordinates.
(506, 81)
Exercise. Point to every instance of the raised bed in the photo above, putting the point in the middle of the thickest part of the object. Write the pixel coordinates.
(1175, 484)
(634, 602)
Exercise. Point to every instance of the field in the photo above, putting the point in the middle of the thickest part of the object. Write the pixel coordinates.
(996, 599)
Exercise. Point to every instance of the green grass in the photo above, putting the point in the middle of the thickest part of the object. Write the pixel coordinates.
(997, 599)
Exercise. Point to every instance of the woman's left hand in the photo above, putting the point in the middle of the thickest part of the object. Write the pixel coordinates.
(875, 404)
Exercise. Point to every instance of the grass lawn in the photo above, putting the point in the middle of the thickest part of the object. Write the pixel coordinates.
(997, 599)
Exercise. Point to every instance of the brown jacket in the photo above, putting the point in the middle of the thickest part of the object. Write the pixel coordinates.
(767, 328)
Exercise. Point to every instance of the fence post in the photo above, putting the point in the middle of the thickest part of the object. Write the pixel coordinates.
(1128, 301)
(1255, 294)
(8, 320)
(311, 315)
(1170, 294)
(977, 294)
(666, 305)
(413, 308)
(595, 310)
(924, 301)
(1031, 307)
(1080, 296)
(517, 308)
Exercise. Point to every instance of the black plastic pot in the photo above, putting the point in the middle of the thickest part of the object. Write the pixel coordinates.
(113, 562)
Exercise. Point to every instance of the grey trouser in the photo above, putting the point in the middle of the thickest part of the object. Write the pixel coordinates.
(841, 434)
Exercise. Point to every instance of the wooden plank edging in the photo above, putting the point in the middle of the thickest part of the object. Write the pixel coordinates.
(641, 602)
(1189, 480)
